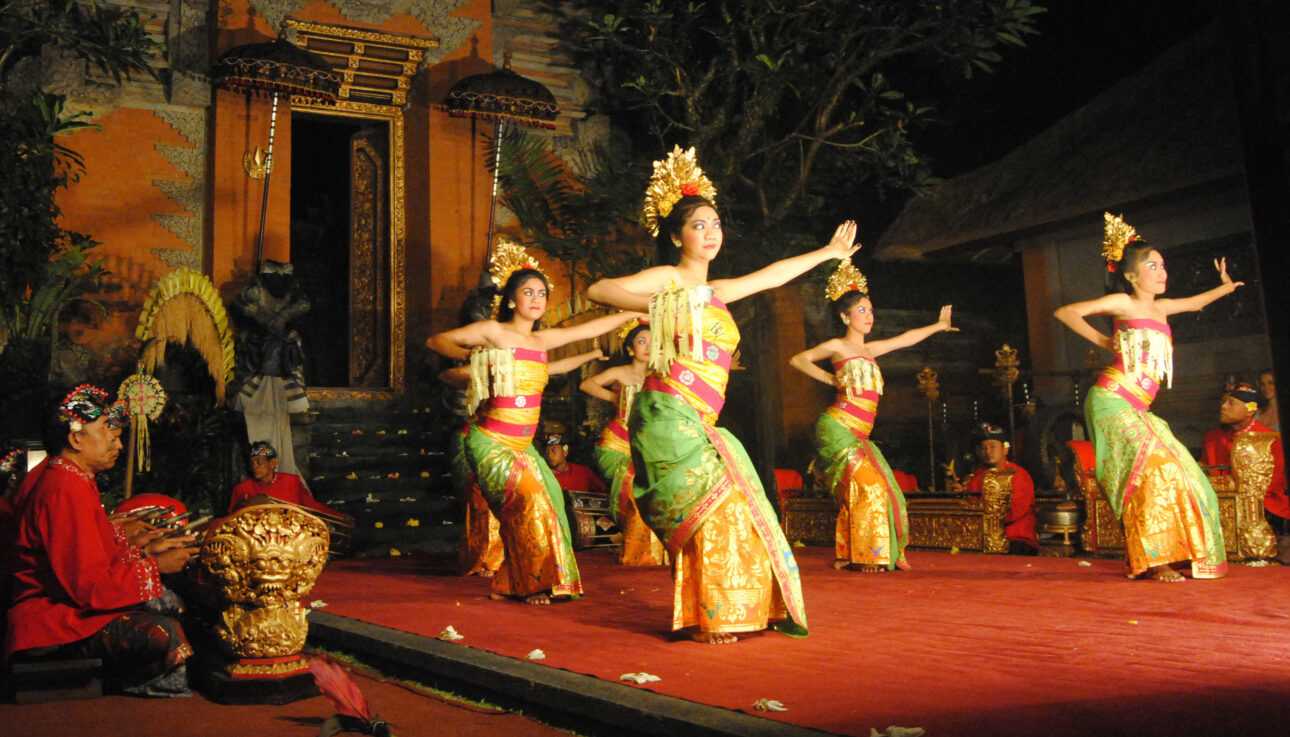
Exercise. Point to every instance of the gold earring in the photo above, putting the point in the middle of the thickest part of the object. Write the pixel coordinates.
(846, 321)
(510, 304)
(676, 243)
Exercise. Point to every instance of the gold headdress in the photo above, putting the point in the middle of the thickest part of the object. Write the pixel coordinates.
(508, 257)
(674, 177)
(1115, 236)
(625, 330)
(845, 278)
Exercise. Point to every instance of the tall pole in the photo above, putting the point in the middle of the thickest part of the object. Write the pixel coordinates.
(268, 171)
(927, 384)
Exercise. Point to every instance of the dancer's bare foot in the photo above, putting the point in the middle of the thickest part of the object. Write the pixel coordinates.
(714, 638)
(537, 599)
(1164, 574)
(840, 564)
(871, 568)
(485, 573)
(498, 597)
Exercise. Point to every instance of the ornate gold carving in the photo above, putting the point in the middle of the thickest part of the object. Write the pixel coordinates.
(1005, 366)
(261, 561)
(996, 501)
(812, 520)
(944, 524)
(268, 669)
(1252, 466)
(376, 65)
(368, 261)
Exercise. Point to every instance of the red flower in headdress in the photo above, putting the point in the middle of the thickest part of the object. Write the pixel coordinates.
(1110, 266)
(690, 189)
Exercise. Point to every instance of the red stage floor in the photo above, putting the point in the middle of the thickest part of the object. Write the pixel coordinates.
(961, 645)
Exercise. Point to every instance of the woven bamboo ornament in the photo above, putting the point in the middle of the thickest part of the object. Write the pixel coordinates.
(675, 177)
(845, 278)
(184, 308)
(1116, 234)
(508, 258)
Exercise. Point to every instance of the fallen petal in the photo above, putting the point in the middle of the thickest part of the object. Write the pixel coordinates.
(449, 634)
(536, 655)
(317, 604)
(639, 677)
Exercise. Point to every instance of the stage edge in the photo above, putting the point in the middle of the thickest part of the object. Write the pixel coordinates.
(588, 701)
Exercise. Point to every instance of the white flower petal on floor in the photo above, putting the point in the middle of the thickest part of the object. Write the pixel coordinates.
(769, 705)
(639, 678)
(536, 655)
(450, 633)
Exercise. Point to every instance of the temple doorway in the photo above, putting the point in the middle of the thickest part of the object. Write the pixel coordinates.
(340, 246)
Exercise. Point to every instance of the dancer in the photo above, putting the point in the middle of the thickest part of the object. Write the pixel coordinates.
(872, 527)
(1169, 510)
(695, 485)
(508, 373)
(479, 546)
(618, 385)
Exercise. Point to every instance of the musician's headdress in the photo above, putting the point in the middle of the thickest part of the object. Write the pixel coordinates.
(675, 177)
(83, 405)
(508, 258)
(1115, 236)
(845, 278)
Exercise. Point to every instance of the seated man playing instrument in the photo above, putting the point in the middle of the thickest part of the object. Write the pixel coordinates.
(83, 587)
(267, 481)
(1237, 412)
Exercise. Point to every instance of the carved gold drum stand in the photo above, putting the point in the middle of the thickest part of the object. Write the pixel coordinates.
(253, 569)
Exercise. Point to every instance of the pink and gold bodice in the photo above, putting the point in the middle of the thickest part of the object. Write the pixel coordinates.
(1143, 357)
(700, 378)
(510, 392)
(859, 389)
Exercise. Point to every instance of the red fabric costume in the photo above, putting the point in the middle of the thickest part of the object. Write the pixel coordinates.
(75, 570)
(1217, 451)
(286, 487)
(1019, 525)
(577, 477)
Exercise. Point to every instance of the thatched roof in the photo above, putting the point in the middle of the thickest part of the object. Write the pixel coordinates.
(1170, 127)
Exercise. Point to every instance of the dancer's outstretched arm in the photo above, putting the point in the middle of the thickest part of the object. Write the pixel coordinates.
(456, 343)
(1074, 316)
(553, 338)
(632, 292)
(569, 363)
(841, 245)
(598, 385)
(915, 336)
(806, 360)
(1199, 301)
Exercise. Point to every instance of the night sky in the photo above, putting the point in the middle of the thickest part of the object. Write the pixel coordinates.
(1085, 46)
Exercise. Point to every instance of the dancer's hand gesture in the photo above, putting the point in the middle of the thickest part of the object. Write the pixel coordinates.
(944, 321)
(1221, 265)
(843, 243)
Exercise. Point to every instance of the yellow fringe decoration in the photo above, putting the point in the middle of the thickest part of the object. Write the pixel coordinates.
(858, 376)
(485, 363)
(185, 308)
(1147, 353)
(145, 399)
(676, 325)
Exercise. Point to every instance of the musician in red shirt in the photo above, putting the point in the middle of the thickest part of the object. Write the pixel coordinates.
(1236, 414)
(570, 476)
(83, 586)
(1019, 525)
(267, 481)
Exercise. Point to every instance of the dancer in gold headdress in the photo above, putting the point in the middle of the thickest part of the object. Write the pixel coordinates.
(695, 486)
(1169, 510)
(508, 371)
(872, 528)
(641, 547)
